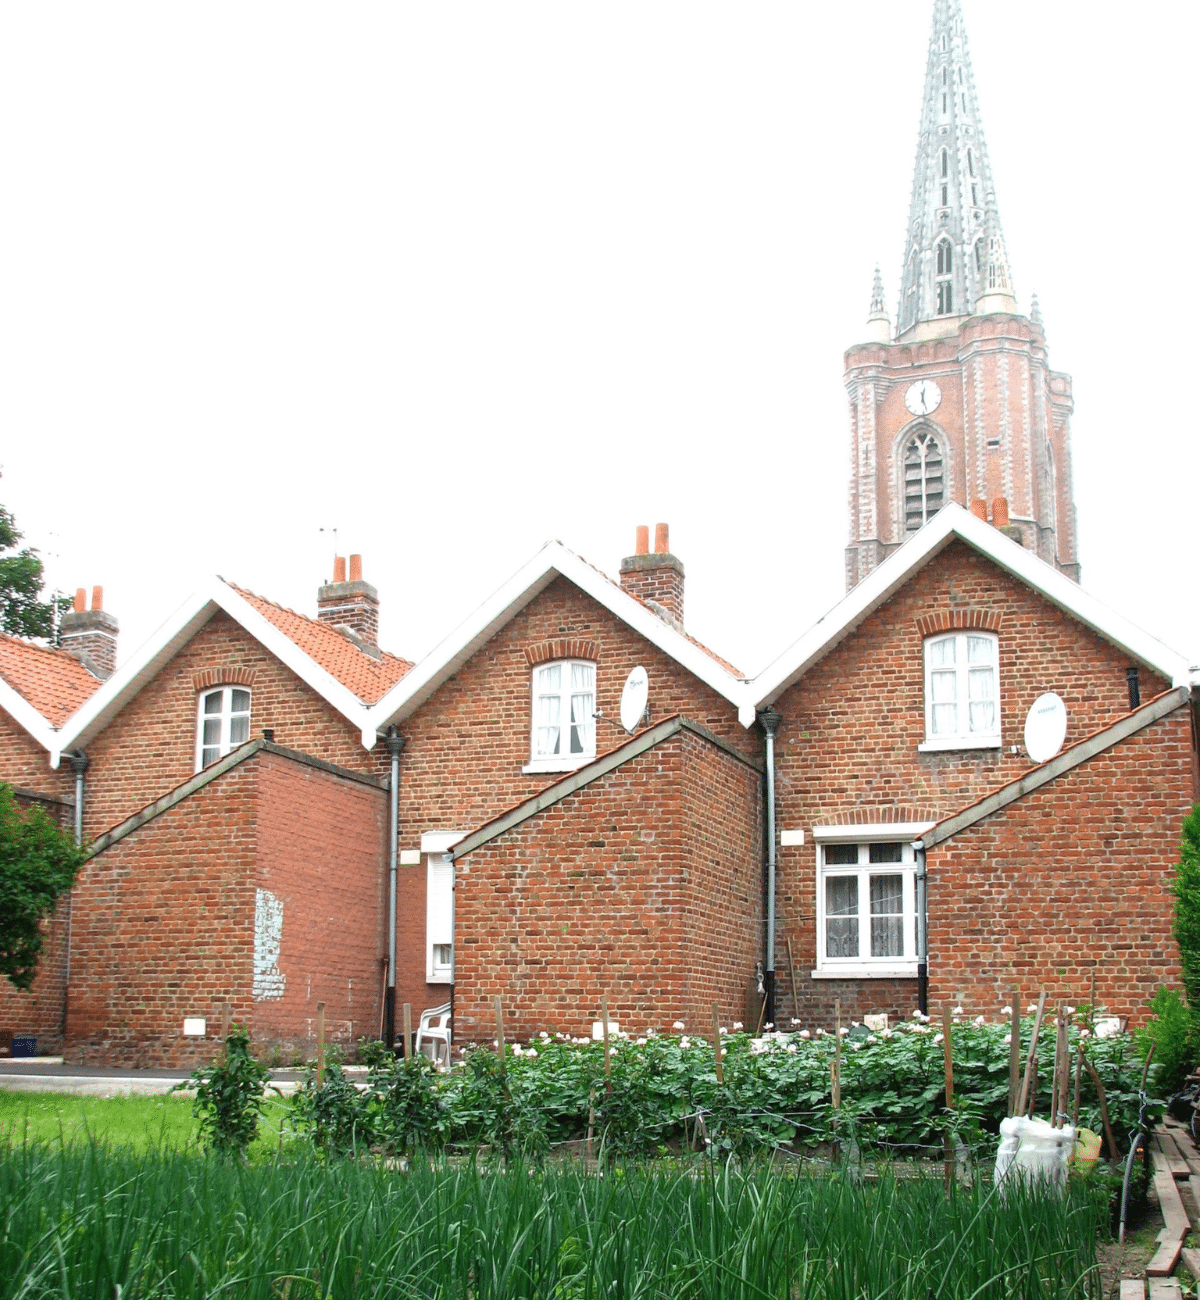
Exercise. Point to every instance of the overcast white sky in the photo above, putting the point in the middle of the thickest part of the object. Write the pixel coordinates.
(456, 279)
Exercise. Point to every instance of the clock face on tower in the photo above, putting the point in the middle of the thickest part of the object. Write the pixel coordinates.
(923, 398)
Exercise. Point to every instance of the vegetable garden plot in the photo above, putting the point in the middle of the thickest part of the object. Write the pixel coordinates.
(89, 1223)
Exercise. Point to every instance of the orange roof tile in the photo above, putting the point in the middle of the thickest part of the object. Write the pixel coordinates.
(54, 682)
(369, 678)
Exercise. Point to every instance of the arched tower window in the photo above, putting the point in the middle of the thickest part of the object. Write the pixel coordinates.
(971, 161)
(979, 256)
(945, 286)
(945, 162)
(924, 480)
(945, 257)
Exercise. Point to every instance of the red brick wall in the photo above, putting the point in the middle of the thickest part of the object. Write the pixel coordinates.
(24, 764)
(611, 893)
(467, 745)
(166, 921)
(322, 850)
(150, 747)
(1076, 873)
(164, 929)
(847, 748)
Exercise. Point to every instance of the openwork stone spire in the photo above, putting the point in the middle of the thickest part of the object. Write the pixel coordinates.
(1035, 311)
(952, 218)
(879, 326)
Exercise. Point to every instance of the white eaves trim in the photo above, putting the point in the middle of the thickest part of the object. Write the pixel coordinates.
(552, 561)
(25, 715)
(878, 586)
(174, 634)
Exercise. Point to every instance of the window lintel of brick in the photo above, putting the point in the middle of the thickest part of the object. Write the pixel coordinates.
(560, 648)
(203, 678)
(953, 620)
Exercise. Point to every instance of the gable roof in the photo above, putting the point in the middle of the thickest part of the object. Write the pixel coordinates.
(551, 562)
(294, 640)
(950, 523)
(41, 687)
(369, 678)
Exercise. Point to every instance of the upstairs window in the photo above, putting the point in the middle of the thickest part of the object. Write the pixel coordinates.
(563, 732)
(962, 707)
(924, 480)
(223, 723)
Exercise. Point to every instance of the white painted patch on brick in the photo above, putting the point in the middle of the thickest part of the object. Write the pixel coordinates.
(269, 980)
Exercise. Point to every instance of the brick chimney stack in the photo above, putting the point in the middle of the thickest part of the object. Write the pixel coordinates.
(655, 577)
(350, 602)
(90, 635)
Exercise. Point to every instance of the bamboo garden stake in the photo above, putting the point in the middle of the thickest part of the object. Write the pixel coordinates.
(408, 1031)
(948, 1055)
(837, 1054)
(320, 1044)
(717, 1046)
(1014, 1053)
(1030, 1061)
(607, 1056)
(500, 1033)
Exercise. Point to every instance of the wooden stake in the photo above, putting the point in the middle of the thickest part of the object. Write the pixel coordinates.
(591, 1122)
(1092, 1007)
(1113, 1152)
(1033, 1088)
(1055, 1076)
(1014, 1053)
(224, 1021)
(717, 1046)
(837, 1054)
(1078, 1080)
(792, 969)
(1065, 1070)
(408, 1031)
(320, 1044)
(948, 1058)
(607, 1049)
(500, 1033)
(1023, 1098)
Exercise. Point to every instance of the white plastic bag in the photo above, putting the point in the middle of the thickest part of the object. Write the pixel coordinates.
(1033, 1149)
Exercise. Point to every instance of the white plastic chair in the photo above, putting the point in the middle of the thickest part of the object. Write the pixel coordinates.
(434, 1030)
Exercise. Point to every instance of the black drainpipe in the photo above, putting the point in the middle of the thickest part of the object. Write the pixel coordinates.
(395, 743)
(769, 719)
(922, 900)
(1135, 690)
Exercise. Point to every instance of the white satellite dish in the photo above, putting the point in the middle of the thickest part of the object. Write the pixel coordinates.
(633, 698)
(1045, 727)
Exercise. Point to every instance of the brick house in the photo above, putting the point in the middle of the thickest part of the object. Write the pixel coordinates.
(236, 776)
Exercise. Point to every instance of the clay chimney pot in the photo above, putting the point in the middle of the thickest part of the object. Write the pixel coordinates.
(97, 597)
(339, 568)
(1000, 512)
(80, 600)
(979, 509)
(662, 541)
(642, 544)
(356, 568)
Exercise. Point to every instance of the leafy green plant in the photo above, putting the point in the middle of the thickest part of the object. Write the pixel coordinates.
(38, 864)
(407, 1112)
(371, 1052)
(1170, 1030)
(1187, 921)
(335, 1115)
(229, 1097)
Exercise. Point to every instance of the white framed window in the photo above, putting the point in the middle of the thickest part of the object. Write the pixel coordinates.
(439, 918)
(563, 727)
(222, 723)
(962, 697)
(866, 901)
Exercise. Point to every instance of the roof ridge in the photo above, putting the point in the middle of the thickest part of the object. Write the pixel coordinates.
(315, 622)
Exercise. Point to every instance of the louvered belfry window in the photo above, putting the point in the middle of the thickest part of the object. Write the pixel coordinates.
(924, 480)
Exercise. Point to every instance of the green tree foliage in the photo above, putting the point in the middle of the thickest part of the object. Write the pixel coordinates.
(229, 1097)
(1187, 919)
(38, 864)
(21, 578)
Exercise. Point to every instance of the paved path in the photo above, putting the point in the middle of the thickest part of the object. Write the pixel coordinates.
(50, 1074)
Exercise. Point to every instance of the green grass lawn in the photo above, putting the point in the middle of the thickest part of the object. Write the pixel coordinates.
(137, 1123)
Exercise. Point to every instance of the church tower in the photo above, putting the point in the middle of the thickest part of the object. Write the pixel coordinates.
(959, 404)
